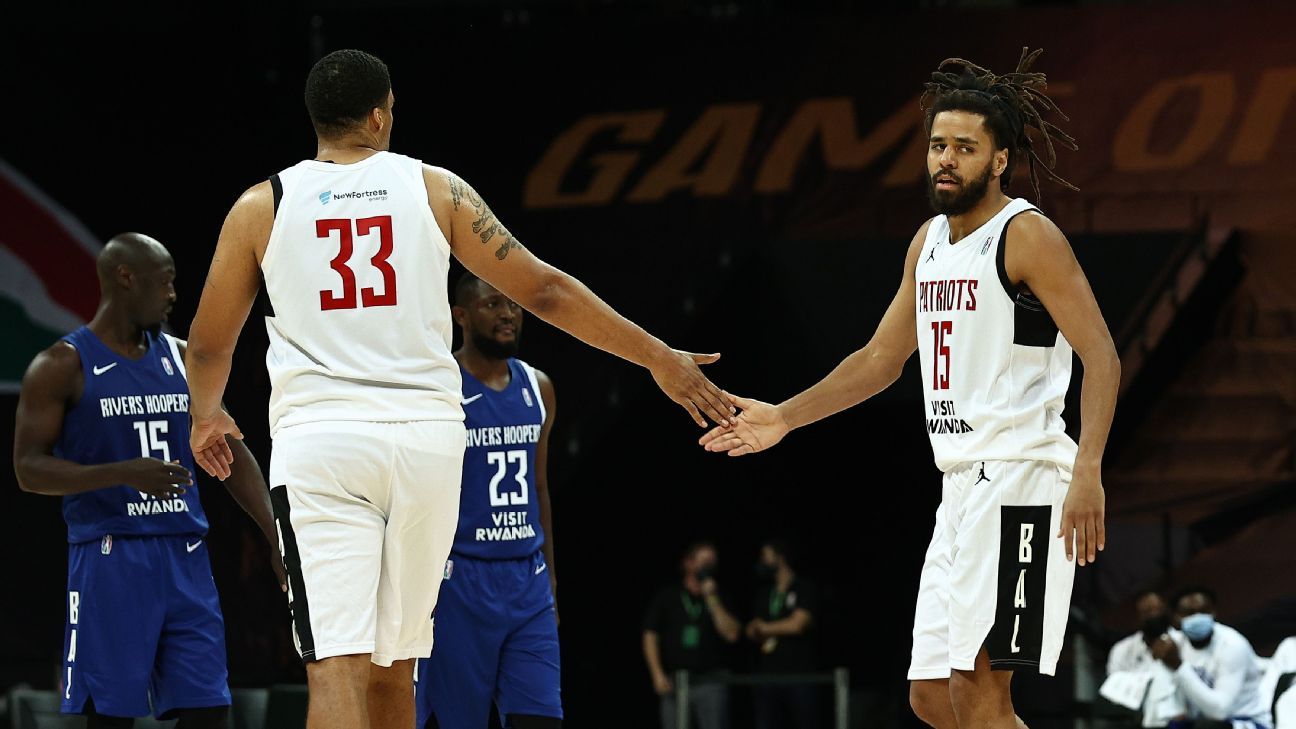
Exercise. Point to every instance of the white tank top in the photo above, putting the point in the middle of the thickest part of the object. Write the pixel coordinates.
(356, 272)
(995, 368)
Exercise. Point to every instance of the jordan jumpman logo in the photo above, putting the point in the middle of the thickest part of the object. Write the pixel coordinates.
(982, 477)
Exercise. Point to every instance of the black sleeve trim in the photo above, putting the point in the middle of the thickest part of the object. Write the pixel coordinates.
(277, 186)
(1008, 286)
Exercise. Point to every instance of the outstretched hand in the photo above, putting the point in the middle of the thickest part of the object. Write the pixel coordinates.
(759, 426)
(679, 376)
(207, 440)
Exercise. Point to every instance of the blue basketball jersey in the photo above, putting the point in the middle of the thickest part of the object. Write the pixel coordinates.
(128, 409)
(499, 516)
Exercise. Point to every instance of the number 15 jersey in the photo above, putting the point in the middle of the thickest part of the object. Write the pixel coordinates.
(356, 270)
(995, 368)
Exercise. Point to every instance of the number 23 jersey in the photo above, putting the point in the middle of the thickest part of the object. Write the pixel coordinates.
(995, 368)
(499, 515)
(356, 270)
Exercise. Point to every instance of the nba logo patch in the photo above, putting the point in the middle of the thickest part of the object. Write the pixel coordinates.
(986, 246)
(526, 395)
(166, 365)
(105, 544)
(449, 569)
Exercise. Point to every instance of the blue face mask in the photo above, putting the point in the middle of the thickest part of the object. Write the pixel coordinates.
(1198, 627)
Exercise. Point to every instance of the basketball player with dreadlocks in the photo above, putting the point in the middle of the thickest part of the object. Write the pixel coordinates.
(993, 299)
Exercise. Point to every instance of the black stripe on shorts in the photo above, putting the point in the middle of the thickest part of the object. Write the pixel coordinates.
(292, 561)
(1016, 639)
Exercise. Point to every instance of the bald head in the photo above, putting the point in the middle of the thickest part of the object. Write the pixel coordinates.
(135, 251)
(137, 274)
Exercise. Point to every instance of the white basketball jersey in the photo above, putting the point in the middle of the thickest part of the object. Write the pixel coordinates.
(356, 271)
(995, 368)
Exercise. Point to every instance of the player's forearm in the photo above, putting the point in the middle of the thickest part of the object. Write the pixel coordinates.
(52, 476)
(248, 488)
(208, 372)
(570, 305)
(1102, 372)
(860, 376)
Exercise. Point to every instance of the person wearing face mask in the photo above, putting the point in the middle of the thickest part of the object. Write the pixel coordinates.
(1214, 667)
(686, 628)
(1132, 653)
(785, 608)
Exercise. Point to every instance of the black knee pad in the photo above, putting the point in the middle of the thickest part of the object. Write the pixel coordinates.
(528, 721)
(95, 720)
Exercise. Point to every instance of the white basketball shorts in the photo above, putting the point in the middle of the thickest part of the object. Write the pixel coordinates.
(366, 514)
(995, 575)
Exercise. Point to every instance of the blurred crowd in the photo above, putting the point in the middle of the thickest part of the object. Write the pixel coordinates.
(695, 626)
(1184, 669)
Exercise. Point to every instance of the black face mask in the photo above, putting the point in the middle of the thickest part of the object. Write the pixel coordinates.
(1155, 627)
(766, 571)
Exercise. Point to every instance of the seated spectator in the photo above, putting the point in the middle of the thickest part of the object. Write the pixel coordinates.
(785, 609)
(1214, 667)
(1132, 653)
(685, 629)
(1278, 687)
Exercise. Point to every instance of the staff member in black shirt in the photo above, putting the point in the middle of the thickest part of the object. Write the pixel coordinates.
(785, 610)
(686, 628)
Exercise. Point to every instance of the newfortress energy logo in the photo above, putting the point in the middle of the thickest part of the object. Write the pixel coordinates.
(370, 195)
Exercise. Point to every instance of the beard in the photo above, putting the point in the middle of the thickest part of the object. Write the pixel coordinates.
(961, 200)
(494, 348)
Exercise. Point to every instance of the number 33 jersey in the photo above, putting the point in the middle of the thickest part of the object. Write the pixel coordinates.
(359, 320)
(995, 368)
(499, 514)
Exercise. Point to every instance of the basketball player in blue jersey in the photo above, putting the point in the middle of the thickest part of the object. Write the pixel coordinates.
(496, 620)
(103, 421)
(994, 301)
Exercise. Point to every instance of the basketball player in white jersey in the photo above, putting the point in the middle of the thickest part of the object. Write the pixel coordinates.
(993, 299)
(354, 247)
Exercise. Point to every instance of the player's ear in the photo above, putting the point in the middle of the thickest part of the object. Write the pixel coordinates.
(1000, 162)
(459, 314)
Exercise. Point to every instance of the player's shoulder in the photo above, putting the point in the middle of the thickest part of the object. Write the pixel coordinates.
(54, 367)
(920, 237)
(1034, 225)
(543, 381)
(180, 344)
(439, 178)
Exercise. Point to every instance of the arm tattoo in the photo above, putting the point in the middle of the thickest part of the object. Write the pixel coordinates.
(486, 226)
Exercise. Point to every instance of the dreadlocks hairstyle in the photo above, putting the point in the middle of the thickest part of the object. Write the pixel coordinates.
(1013, 106)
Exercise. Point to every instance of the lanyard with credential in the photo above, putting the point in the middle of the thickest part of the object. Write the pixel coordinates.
(692, 633)
(776, 603)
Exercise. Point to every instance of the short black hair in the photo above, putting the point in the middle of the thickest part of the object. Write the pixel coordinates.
(343, 87)
(1194, 590)
(463, 288)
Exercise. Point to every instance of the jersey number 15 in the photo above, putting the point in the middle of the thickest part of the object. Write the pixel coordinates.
(369, 295)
